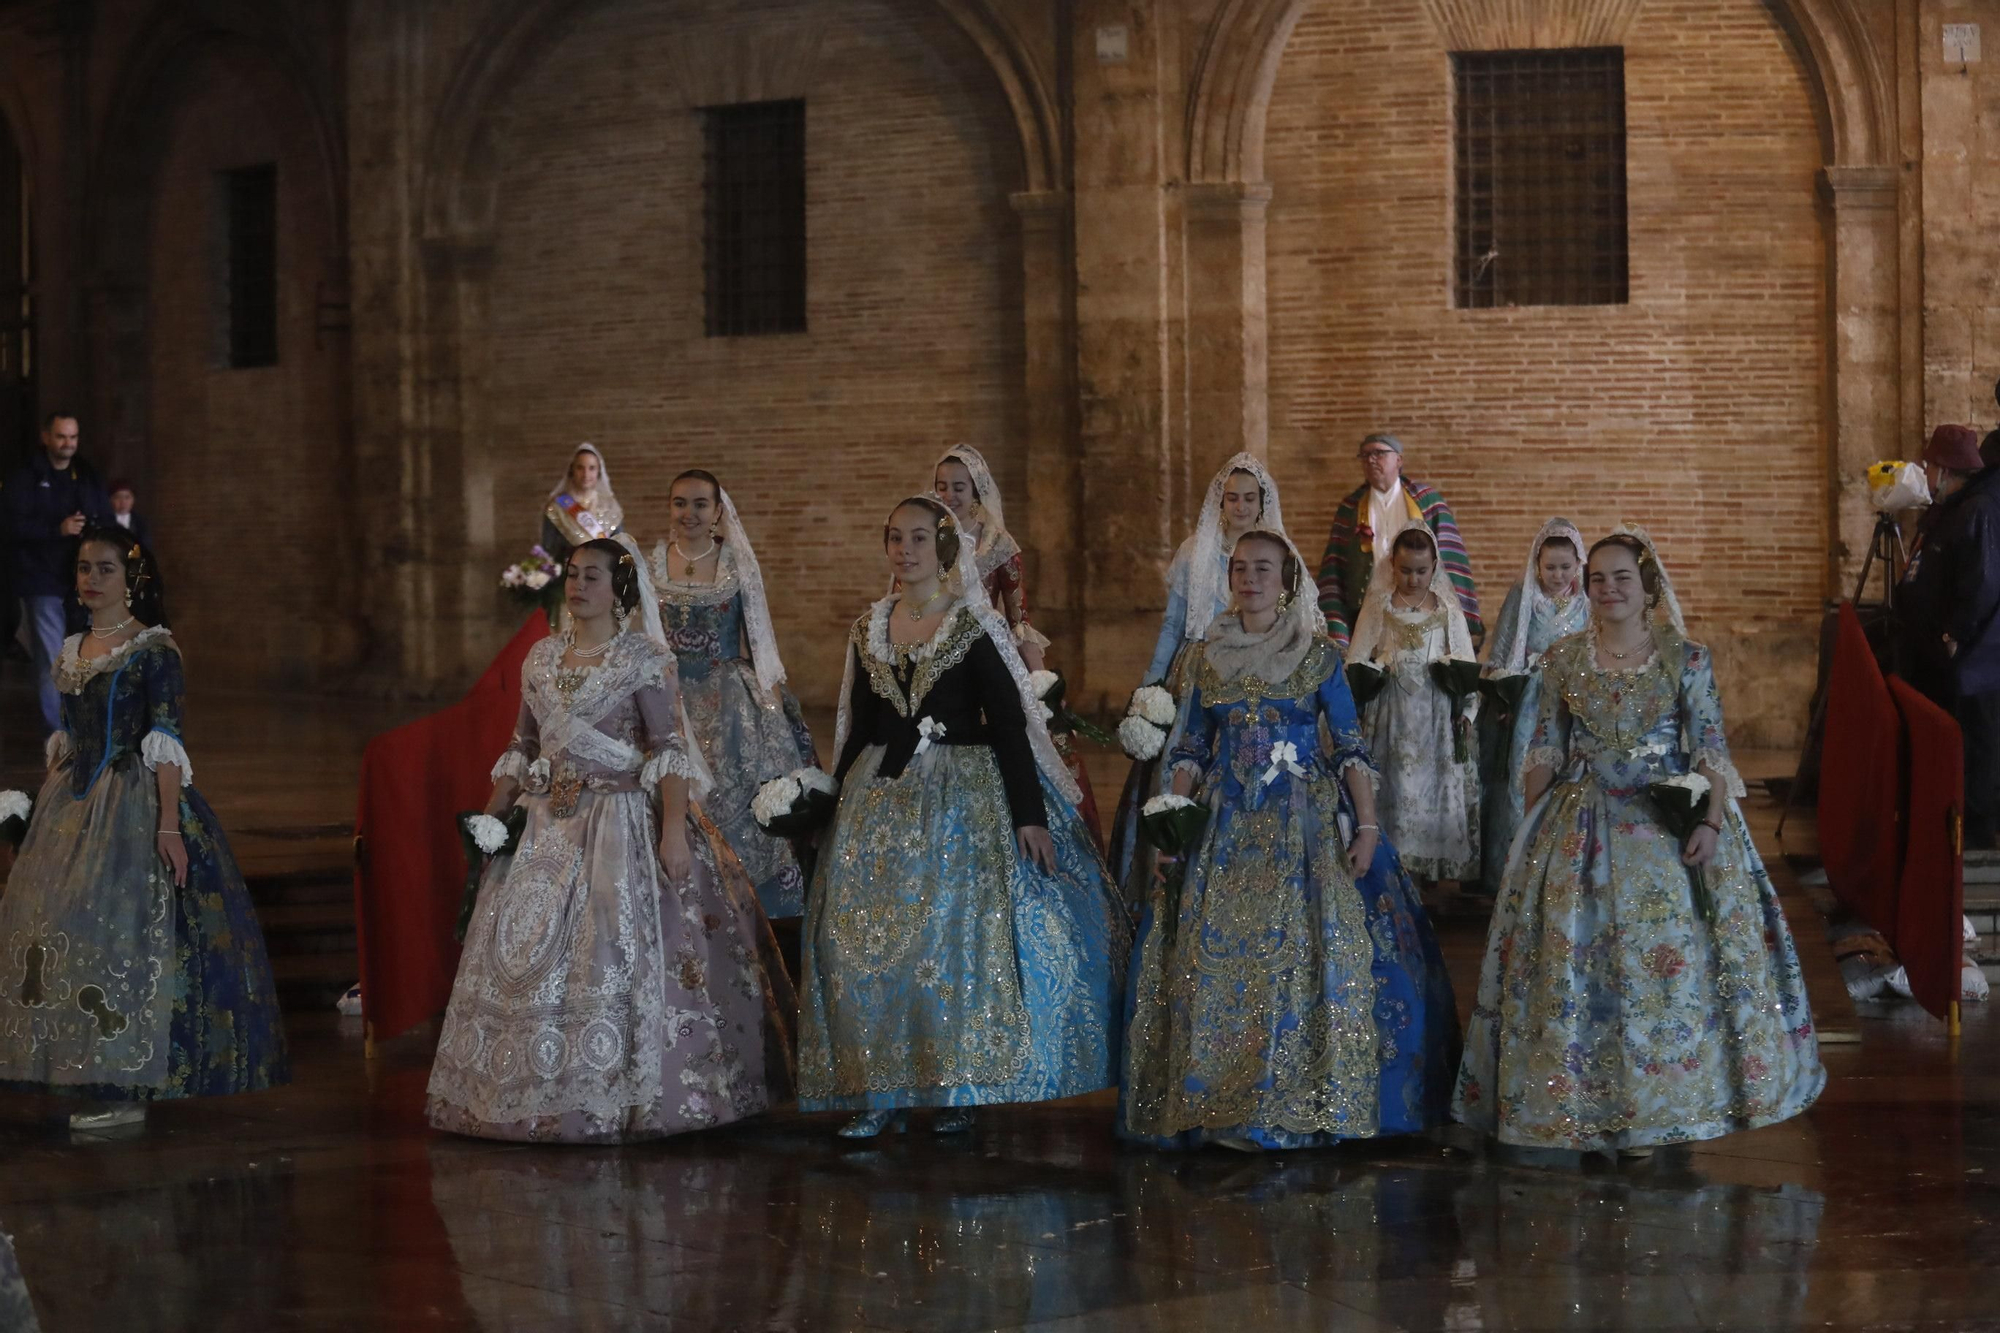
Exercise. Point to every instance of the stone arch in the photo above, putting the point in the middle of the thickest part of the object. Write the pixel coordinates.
(1236, 68)
(135, 207)
(459, 161)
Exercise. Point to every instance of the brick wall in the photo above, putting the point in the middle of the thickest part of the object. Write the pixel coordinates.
(249, 483)
(913, 299)
(1696, 410)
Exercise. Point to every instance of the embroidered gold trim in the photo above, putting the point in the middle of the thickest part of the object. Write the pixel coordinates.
(1320, 661)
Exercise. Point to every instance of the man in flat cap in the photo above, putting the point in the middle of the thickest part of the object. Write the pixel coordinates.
(1365, 528)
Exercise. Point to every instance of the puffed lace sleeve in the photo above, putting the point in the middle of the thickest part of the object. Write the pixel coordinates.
(164, 696)
(1701, 721)
(523, 750)
(659, 702)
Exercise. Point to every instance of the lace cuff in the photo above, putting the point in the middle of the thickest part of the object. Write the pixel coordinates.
(511, 764)
(1717, 762)
(56, 749)
(1542, 756)
(160, 748)
(1357, 761)
(672, 760)
(1025, 634)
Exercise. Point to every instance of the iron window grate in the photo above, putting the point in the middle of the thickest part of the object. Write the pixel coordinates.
(754, 252)
(1540, 178)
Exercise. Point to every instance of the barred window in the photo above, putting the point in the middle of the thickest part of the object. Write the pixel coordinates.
(1541, 177)
(754, 256)
(248, 199)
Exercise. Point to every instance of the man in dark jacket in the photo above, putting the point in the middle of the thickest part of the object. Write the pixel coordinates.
(1956, 613)
(48, 502)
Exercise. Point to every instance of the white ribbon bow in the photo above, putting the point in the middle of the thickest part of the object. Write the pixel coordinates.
(1284, 759)
(928, 730)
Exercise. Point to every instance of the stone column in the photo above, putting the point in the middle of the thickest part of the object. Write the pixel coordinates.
(1864, 351)
(1129, 474)
(1050, 537)
(1228, 345)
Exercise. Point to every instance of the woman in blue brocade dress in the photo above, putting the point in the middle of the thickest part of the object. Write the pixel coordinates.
(1276, 1001)
(131, 964)
(963, 945)
(1242, 495)
(1546, 605)
(747, 723)
(1636, 991)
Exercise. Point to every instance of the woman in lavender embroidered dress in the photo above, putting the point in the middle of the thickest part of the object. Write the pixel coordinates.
(746, 722)
(1242, 495)
(618, 980)
(1636, 991)
(963, 946)
(1286, 989)
(132, 968)
(1546, 605)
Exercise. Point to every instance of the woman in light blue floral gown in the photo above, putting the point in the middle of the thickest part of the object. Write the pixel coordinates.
(746, 721)
(1243, 494)
(963, 945)
(1276, 1000)
(1636, 991)
(1546, 605)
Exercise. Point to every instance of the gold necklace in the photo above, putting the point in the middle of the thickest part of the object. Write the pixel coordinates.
(687, 570)
(917, 612)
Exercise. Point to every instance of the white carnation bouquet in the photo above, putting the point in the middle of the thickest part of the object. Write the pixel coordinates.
(16, 807)
(795, 805)
(1143, 733)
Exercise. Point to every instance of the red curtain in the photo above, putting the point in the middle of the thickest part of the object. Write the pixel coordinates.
(1861, 781)
(1931, 890)
(409, 878)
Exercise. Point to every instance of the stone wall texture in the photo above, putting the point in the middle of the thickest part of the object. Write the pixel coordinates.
(1110, 243)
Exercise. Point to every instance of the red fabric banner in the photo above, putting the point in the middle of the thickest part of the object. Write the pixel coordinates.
(409, 878)
(1861, 781)
(1931, 889)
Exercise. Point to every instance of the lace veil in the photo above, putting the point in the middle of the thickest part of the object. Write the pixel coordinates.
(1202, 555)
(1374, 619)
(702, 780)
(1532, 597)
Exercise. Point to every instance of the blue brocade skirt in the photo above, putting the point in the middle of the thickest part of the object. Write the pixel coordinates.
(940, 968)
(1276, 1000)
(91, 1020)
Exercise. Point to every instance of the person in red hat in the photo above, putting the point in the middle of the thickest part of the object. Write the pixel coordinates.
(1951, 605)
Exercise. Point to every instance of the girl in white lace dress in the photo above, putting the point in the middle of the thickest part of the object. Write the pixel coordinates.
(1420, 736)
(619, 980)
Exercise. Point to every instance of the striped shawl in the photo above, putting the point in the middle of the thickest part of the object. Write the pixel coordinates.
(1349, 561)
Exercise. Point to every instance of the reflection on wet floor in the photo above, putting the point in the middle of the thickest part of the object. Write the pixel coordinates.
(331, 1206)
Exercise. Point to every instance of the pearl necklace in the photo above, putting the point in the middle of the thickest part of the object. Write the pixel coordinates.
(97, 633)
(598, 651)
(687, 570)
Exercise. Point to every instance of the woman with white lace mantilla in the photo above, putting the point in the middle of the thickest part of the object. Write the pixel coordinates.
(745, 720)
(134, 969)
(1242, 495)
(1640, 984)
(967, 486)
(619, 980)
(963, 945)
(1286, 990)
(581, 507)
